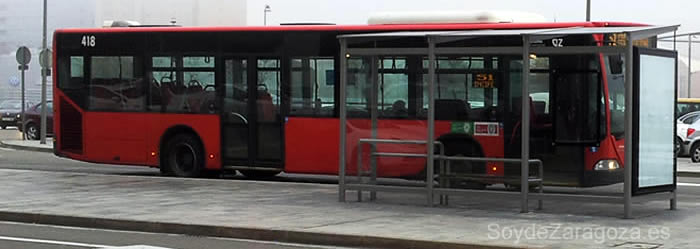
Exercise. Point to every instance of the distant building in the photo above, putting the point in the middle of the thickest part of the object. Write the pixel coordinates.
(183, 12)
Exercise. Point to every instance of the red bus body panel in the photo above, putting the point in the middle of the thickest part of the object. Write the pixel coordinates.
(131, 138)
(312, 145)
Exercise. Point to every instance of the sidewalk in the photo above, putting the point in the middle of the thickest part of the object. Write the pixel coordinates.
(31, 145)
(686, 168)
(311, 213)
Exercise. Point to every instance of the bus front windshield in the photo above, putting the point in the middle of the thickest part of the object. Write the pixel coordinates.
(616, 89)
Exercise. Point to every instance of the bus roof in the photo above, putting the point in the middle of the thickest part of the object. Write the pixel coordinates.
(688, 100)
(351, 28)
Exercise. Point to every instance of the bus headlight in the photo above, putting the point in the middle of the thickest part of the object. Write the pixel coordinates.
(606, 165)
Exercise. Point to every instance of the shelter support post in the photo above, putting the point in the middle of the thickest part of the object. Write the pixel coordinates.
(343, 118)
(673, 200)
(374, 113)
(431, 120)
(525, 126)
(690, 59)
(629, 124)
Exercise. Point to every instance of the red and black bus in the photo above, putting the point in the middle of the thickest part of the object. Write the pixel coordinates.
(263, 100)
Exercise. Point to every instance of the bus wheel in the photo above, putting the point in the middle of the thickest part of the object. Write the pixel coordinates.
(260, 173)
(464, 148)
(184, 156)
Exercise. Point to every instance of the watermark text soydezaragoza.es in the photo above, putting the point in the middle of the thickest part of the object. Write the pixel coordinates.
(555, 231)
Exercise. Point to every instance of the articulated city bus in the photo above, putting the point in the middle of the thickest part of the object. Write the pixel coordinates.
(263, 100)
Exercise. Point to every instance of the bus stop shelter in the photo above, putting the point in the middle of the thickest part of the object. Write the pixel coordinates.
(435, 47)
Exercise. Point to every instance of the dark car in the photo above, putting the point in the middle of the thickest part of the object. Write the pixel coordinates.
(10, 112)
(33, 121)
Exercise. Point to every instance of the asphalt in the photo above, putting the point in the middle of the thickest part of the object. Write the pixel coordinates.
(37, 236)
(311, 214)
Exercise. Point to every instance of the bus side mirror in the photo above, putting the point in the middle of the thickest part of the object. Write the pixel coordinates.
(616, 64)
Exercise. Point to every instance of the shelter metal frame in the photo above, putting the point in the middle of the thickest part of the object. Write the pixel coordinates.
(528, 36)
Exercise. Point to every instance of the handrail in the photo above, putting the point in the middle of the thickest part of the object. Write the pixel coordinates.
(442, 159)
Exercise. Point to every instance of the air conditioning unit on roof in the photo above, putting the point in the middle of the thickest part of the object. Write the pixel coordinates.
(447, 17)
(119, 23)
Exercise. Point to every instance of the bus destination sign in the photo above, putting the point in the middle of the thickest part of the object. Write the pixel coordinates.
(620, 39)
(483, 80)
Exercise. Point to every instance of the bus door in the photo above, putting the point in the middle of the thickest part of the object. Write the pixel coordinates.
(251, 119)
(567, 115)
(267, 127)
(578, 115)
(236, 119)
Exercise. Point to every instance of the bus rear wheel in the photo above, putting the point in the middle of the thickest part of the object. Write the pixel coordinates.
(183, 156)
(464, 148)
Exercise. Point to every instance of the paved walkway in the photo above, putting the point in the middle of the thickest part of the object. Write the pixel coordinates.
(688, 168)
(299, 212)
(33, 145)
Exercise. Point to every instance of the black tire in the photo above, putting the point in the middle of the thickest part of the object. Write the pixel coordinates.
(466, 148)
(32, 131)
(695, 153)
(260, 173)
(4, 127)
(182, 156)
(677, 147)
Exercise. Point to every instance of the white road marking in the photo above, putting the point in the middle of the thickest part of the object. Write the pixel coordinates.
(52, 242)
(689, 184)
(7, 149)
(135, 247)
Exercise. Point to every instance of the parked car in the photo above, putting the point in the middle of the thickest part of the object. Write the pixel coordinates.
(682, 125)
(33, 121)
(10, 112)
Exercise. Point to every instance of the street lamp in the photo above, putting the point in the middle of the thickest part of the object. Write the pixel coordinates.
(267, 9)
(588, 10)
(44, 72)
(690, 59)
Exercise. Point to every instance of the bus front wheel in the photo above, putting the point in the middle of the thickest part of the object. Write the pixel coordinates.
(183, 156)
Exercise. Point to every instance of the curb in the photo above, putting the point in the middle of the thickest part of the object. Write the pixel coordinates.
(688, 174)
(312, 238)
(23, 147)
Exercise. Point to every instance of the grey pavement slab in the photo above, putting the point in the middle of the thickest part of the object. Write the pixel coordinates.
(313, 208)
(33, 145)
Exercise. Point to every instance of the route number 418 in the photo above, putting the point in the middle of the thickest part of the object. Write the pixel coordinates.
(88, 41)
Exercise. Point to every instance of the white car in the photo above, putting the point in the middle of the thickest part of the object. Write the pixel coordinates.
(683, 123)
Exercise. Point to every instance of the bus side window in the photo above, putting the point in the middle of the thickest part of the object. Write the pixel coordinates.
(116, 84)
(268, 92)
(312, 86)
